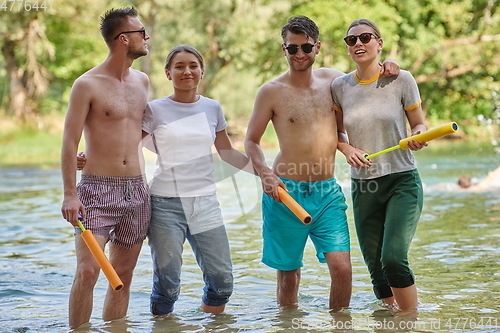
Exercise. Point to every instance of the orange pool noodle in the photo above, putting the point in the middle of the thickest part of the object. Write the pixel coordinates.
(108, 270)
(294, 206)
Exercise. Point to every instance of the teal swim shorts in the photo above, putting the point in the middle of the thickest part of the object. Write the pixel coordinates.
(285, 235)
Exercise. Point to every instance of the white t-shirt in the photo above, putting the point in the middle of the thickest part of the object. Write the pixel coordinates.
(183, 134)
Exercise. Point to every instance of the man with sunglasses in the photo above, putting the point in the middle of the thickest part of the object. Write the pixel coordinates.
(300, 106)
(107, 103)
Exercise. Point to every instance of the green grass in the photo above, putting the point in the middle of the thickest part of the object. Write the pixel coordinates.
(269, 136)
(25, 146)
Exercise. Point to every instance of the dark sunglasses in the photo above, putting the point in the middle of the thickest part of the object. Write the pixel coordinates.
(293, 49)
(143, 33)
(364, 38)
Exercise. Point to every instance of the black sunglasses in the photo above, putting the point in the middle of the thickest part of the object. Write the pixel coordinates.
(293, 49)
(143, 32)
(364, 38)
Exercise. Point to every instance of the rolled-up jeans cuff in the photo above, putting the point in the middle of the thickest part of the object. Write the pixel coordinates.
(159, 309)
(211, 301)
(382, 292)
(403, 282)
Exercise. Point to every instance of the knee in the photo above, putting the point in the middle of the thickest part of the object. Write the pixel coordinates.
(125, 274)
(342, 269)
(87, 275)
(289, 279)
(345, 267)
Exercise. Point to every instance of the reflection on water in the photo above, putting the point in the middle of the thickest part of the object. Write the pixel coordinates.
(455, 256)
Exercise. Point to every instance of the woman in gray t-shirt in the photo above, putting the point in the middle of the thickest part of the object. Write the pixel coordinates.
(387, 192)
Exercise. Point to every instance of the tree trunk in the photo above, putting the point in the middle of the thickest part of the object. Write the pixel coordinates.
(18, 92)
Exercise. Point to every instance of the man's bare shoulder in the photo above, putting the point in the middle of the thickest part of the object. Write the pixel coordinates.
(140, 75)
(86, 81)
(90, 76)
(281, 81)
(327, 73)
(100, 73)
(274, 85)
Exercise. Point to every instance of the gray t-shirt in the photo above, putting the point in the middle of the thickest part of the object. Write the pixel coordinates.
(374, 114)
(183, 134)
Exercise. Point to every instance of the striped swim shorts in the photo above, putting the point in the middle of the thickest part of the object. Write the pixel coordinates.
(117, 207)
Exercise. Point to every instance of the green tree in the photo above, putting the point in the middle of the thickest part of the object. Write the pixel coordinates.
(23, 43)
(451, 47)
(44, 50)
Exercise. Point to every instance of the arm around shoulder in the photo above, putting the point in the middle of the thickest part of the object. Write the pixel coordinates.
(328, 73)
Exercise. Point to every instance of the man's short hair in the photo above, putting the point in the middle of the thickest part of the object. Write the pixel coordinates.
(301, 25)
(113, 20)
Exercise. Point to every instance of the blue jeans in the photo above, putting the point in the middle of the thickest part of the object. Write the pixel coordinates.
(198, 219)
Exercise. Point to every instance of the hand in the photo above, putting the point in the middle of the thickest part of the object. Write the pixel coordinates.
(389, 68)
(356, 158)
(81, 160)
(416, 145)
(71, 207)
(270, 183)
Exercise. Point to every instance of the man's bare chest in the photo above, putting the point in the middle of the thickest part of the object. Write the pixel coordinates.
(305, 106)
(115, 103)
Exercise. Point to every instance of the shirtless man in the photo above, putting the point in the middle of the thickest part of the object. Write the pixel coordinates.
(107, 103)
(299, 104)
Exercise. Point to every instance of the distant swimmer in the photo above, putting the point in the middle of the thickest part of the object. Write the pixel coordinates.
(490, 183)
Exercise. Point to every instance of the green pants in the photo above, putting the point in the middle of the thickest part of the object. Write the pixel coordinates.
(386, 214)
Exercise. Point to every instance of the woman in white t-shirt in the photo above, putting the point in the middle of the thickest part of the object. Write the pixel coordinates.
(387, 191)
(184, 127)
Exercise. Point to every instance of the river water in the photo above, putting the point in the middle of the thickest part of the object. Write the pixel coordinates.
(455, 256)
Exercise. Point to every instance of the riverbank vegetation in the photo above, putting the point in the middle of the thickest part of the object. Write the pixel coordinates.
(451, 47)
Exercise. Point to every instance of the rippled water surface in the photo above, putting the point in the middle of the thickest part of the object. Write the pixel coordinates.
(455, 256)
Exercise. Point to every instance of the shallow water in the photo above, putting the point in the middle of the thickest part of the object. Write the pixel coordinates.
(455, 256)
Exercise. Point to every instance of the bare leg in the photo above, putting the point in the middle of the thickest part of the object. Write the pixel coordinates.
(288, 287)
(124, 261)
(212, 309)
(406, 298)
(339, 264)
(82, 291)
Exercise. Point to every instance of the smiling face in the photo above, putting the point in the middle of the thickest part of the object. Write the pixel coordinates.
(361, 52)
(185, 71)
(300, 61)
